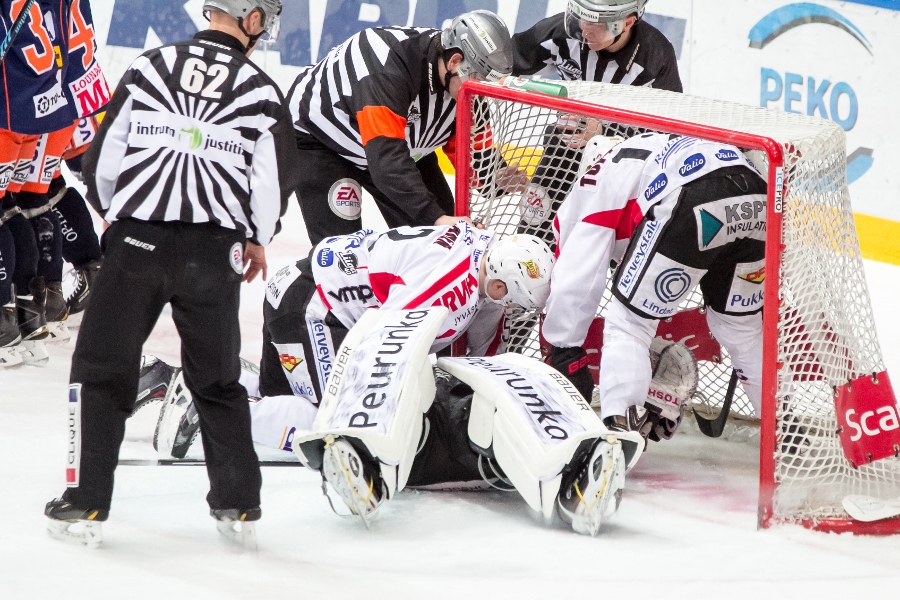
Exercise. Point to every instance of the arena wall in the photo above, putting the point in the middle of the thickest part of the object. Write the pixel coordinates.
(837, 60)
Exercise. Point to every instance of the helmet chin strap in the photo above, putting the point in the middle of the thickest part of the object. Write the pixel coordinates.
(446, 83)
(253, 38)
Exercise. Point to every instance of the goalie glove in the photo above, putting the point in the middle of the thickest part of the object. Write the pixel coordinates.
(674, 382)
(573, 363)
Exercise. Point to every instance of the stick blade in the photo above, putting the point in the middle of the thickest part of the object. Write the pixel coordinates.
(868, 508)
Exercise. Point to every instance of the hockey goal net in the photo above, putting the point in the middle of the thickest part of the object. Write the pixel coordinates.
(819, 332)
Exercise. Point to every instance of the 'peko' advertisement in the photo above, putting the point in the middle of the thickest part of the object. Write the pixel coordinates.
(836, 60)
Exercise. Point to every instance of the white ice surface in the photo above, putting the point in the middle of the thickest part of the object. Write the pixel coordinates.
(686, 528)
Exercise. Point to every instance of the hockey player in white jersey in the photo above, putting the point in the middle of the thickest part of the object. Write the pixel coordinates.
(672, 213)
(431, 284)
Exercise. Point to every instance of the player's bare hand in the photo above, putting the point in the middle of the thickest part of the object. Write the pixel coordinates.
(576, 133)
(254, 262)
(448, 220)
(511, 180)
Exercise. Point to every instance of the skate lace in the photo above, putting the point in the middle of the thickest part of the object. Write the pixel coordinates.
(80, 284)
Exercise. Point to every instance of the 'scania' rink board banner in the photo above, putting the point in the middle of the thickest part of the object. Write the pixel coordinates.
(837, 60)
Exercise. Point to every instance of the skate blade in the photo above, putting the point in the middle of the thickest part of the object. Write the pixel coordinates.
(73, 321)
(597, 510)
(342, 484)
(10, 358)
(33, 352)
(239, 533)
(87, 533)
(59, 333)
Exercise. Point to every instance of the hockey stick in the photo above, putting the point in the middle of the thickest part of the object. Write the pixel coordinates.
(176, 462)
(12, 33)
(714, 427)
(868, 508)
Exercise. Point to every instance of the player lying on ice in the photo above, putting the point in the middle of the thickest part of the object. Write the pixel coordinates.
(383, 422)
(672, 213)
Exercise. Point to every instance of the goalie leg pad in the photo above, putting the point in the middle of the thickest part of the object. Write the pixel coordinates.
(742, 338)
(532, 420)
(380, 386)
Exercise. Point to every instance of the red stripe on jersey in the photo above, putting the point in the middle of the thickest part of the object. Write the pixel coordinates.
(439, 285)
(556, 235)
(622, 220)
(381, 284)
(322, 296)
(446, 334)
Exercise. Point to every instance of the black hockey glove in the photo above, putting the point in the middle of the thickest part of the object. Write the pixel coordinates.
(572, 362)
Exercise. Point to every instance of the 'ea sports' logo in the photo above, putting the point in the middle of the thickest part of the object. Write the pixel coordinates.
(236, 258)
(345, 199)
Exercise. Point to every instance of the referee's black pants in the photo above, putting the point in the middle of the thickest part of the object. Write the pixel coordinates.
(146, 265)
(323, 168)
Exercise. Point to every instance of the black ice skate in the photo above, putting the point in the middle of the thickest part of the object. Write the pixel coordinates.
(591, 490)
(56, 313)
(179, 422)
(154, 382)
(10, 336)
(33, 323)
(238, 525)
(85, 277)
(73, 524)
(355, 477)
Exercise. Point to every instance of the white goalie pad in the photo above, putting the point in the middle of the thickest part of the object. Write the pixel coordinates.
(379, 387)
(533, 419)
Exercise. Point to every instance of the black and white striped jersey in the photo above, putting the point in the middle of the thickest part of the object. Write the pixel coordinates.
(379, 83)
(376, 101)
(195, 133)
(648, 59)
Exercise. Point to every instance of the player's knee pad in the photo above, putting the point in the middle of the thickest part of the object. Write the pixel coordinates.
(741, 336)
(379, 387)
(531, 421)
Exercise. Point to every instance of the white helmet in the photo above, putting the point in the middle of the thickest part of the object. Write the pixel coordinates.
(239, 9)
(612, 13)
(523, 262)
(596, 148)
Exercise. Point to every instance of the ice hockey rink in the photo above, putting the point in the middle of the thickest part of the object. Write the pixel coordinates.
(686, 527)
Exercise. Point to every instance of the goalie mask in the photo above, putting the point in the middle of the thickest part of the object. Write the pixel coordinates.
(240, 9)
(523, 262)
(600, 22)
(484, 41)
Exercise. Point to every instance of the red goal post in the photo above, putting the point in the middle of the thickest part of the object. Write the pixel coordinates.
(819, 341)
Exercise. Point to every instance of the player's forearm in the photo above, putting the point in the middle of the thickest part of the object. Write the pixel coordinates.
(395, 174)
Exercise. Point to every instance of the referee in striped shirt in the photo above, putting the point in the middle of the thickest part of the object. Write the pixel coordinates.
(192, 167)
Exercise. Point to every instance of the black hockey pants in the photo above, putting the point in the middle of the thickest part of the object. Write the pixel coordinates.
(321, 171)
(146, 266)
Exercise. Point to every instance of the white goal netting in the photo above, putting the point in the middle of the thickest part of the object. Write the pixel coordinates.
(826, 332)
